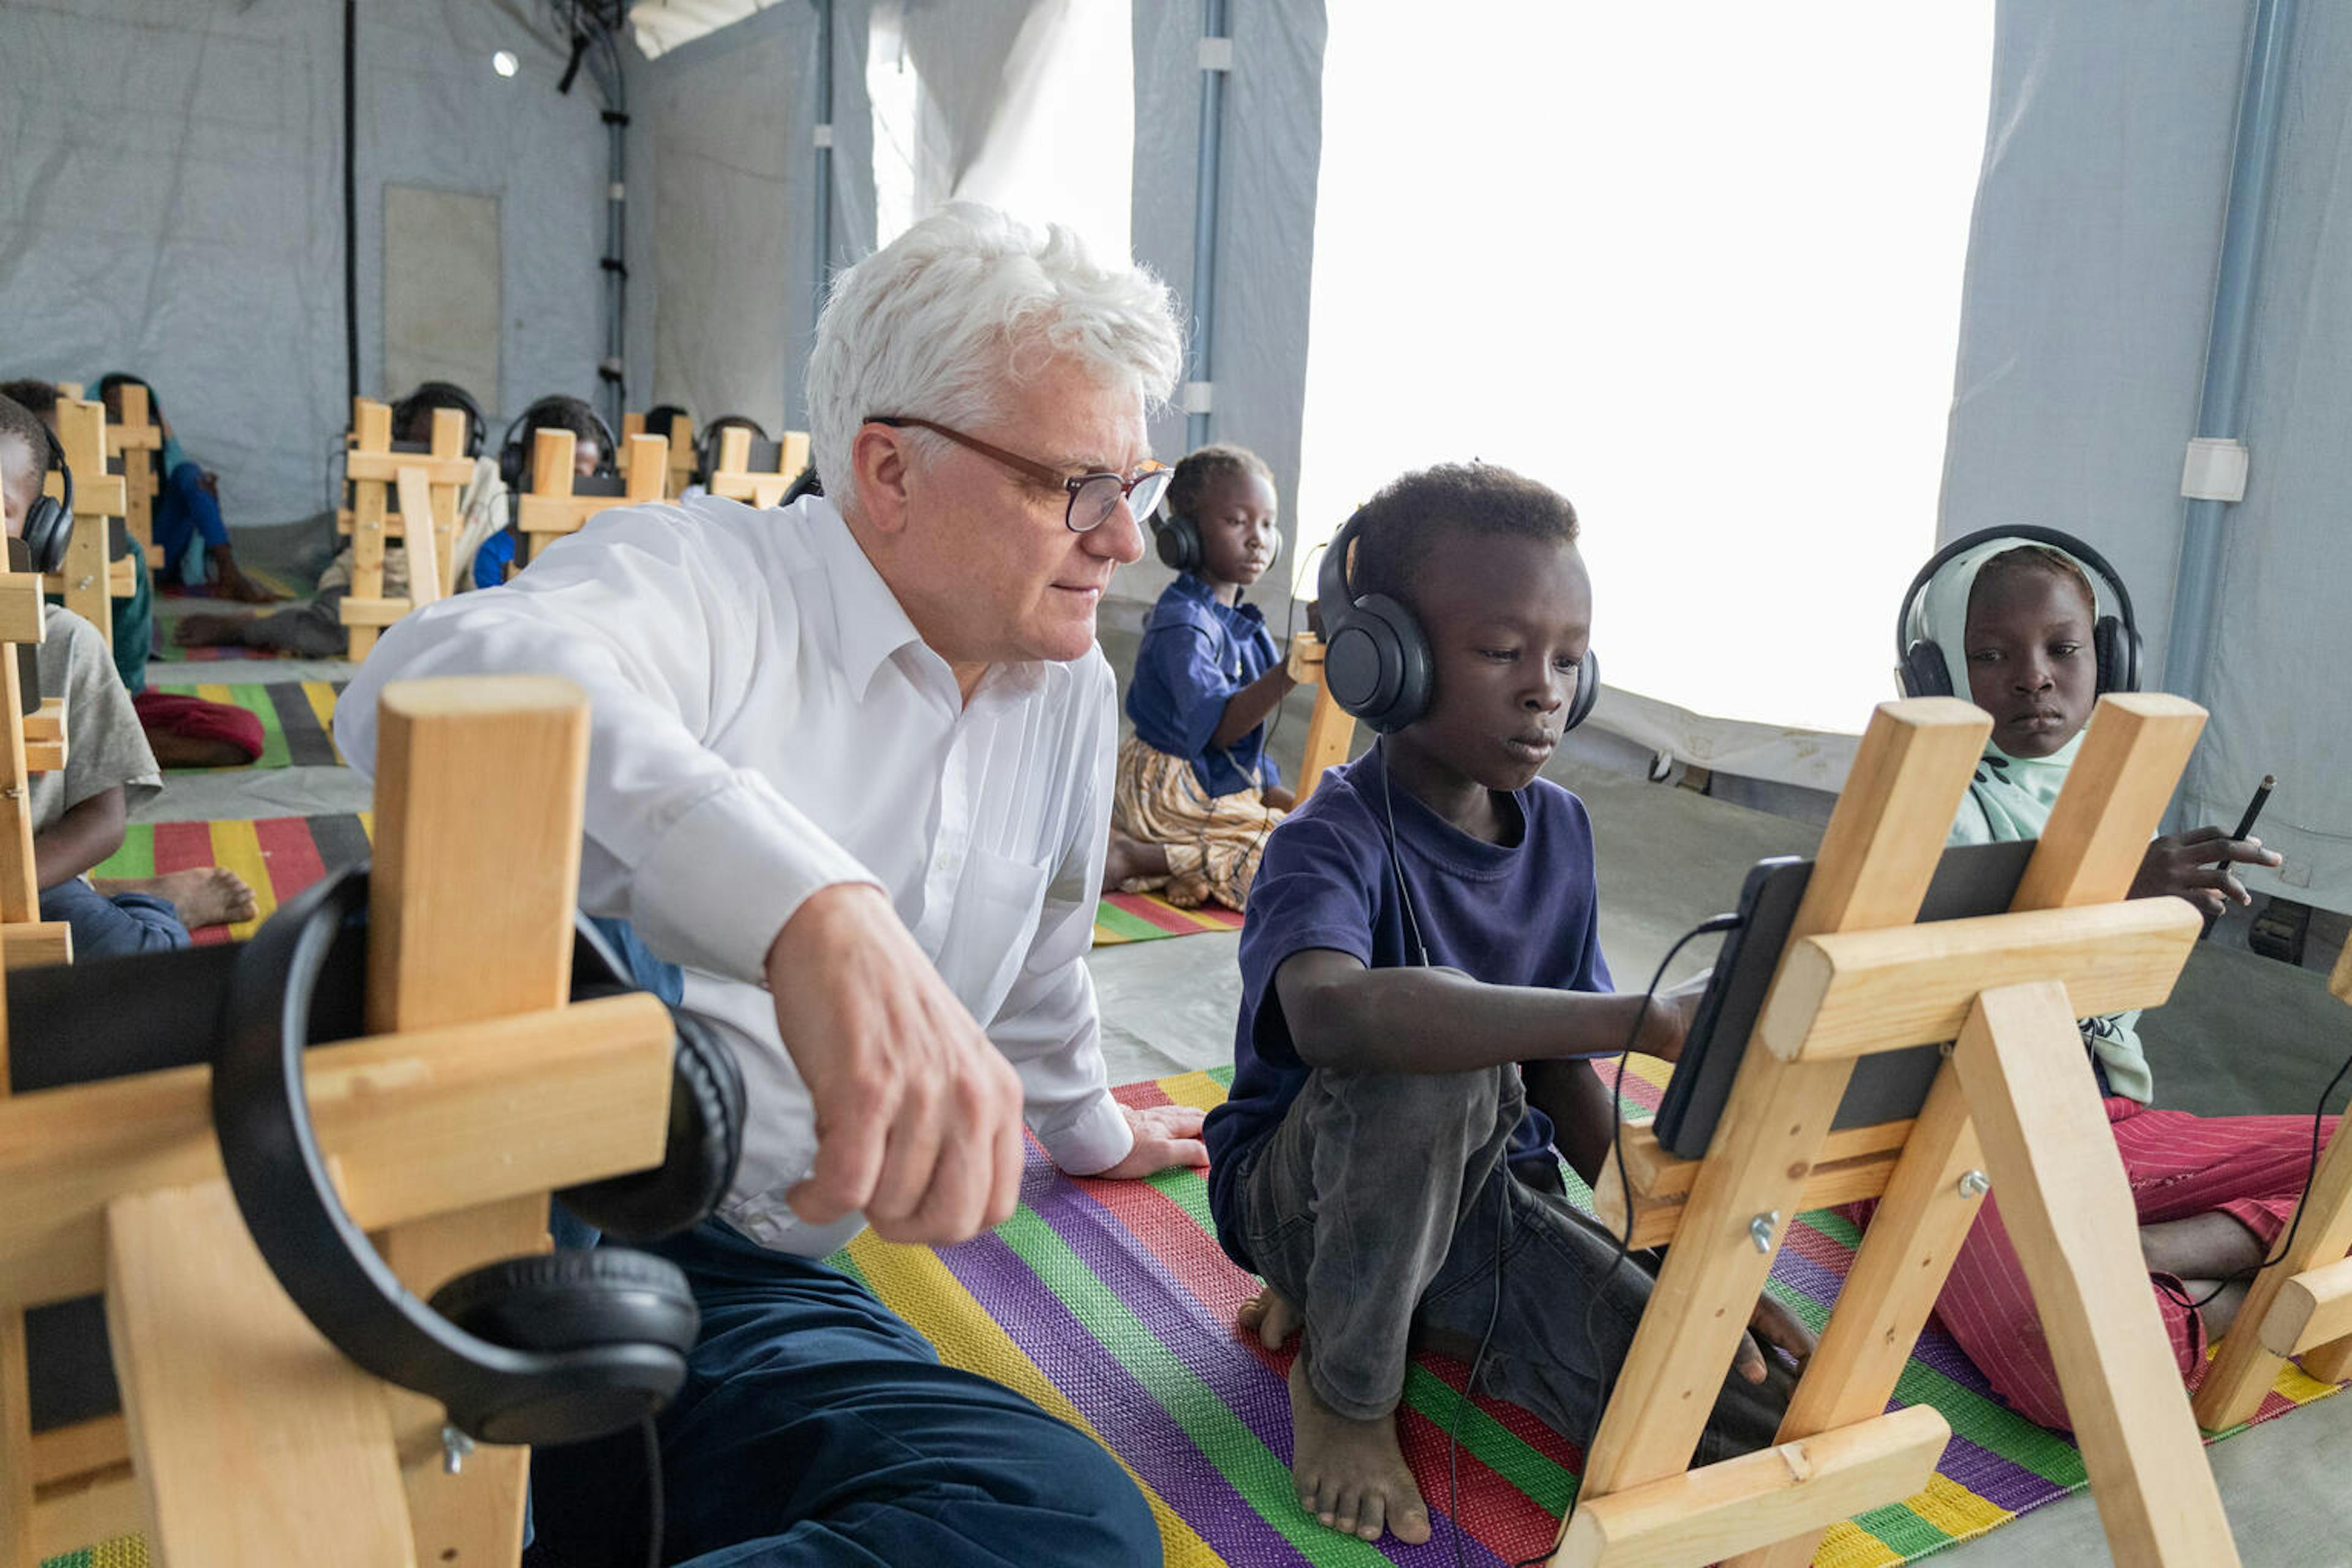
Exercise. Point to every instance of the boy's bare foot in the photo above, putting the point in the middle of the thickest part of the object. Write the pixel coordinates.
(1270, 1316)
(1131, 859)
(207, 896)
(1351, 1474)
(210, 631)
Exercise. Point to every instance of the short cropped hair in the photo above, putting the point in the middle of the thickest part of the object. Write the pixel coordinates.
(1196, 472)
(19, 421)
(36, 397)
(115, 378)
(936, 323)
(1410, 517)
(565, 413)
(2029, 560)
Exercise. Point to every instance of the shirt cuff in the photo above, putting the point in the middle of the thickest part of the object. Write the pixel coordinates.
(724, 878)
(1091, 1138)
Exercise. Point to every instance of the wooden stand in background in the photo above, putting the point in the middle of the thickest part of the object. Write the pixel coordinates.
(427, 484)
(135, 442)
(2016, 1108)
(244, 1437)
(32, 740)
(680, 437)
(90, 582)
(1331, 731)
(551, 509)
(758, 473)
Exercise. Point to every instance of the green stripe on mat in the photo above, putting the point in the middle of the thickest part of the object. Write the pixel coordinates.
(1247, 1464)
(136, 858)
(1109, 917)
(1549, 1486)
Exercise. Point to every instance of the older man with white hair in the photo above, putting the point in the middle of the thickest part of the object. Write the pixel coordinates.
(850, 767)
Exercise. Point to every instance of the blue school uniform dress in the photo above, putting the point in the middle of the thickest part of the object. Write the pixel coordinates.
(1197, 653)
(1523, 915)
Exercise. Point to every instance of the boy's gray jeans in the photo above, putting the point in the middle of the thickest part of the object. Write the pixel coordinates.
(1375, 1206)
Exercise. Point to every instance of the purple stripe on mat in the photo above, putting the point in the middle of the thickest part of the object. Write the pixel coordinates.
(1208, 1349)
(1114, 1401)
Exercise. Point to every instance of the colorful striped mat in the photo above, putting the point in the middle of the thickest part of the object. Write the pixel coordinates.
(1147, 917)
(279, 583)
(297, 720)
(1110, 1304)
(276, 855)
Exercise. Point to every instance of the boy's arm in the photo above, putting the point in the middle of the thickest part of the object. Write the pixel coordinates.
(86, 835)
(1342, 1014)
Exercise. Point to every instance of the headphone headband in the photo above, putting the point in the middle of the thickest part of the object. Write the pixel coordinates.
(2116, 638)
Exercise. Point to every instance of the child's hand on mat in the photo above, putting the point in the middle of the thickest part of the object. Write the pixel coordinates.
(917, 1113)
(1165, 1136)
(1771, 1324)
(2195, 866)
(1270, 1316)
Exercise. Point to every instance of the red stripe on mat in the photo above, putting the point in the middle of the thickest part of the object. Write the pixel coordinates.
(291, 853)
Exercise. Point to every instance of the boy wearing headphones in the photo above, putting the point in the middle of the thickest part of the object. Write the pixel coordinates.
(1197, 794)
(591, 453)
(315, 629)
(1423, 926)
(2042, 625)
(78, 813)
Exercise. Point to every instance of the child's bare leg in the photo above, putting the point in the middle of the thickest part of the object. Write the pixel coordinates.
(2210, 1246)
(1270, 1315)
(211, 630)
(205, 895)
(1351, 1474)
(1131, 857)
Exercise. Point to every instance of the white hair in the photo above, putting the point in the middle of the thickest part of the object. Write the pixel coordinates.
(937, 323)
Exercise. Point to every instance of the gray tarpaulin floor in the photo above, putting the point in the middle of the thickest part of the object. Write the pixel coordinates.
(2242, 1035)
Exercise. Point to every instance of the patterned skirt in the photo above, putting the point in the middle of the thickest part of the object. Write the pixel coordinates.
(1214, 842)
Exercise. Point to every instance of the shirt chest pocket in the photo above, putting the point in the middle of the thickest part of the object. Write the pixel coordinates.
(991, 920)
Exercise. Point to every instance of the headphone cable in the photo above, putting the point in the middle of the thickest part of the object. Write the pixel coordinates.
(655, 1523)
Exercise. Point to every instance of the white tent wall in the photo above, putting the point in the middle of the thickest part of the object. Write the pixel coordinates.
(722, 233)
(2090, 286)
(1271, 157)
(172, 203)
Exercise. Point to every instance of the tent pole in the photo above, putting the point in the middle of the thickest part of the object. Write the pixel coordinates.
(1204, 232)
(823, 213)
(2187, 653)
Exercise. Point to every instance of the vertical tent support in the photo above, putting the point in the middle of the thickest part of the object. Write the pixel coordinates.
(1216, 59)
(820, 276)
(2188, 652)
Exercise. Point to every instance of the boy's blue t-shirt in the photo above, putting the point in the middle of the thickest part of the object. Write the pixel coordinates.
(1527, 915)
(1197, 653)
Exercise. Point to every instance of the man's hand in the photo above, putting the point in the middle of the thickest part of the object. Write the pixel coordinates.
(2195, 866)
(1165, 1136)
(1771, 1324)
(918, 1114)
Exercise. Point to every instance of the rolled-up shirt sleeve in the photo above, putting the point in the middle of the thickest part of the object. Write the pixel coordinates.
(661, 624)
(1048, 1025)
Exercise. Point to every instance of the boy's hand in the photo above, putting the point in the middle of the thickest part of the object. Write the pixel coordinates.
(1165, 1136)
(918, 1112)
(1666, 1023)
(1771, 1324)
(2195, 866)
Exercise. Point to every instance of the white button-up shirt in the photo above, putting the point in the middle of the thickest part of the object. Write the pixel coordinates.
(766, 722)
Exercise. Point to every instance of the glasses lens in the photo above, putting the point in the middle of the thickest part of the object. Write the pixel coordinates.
(1093, 501)
(1149, 489)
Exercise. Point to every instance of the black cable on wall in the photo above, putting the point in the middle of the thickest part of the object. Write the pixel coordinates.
(351, 199)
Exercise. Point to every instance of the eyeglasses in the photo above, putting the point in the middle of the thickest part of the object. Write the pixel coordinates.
(1093, 496)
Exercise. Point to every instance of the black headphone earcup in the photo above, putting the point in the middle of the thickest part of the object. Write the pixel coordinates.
(704, 1145)
(1588, 692)
(2116, 648)
(1177, 538)
(48, 529)
(1376, 663)
(1924, 672)
(559, 1301)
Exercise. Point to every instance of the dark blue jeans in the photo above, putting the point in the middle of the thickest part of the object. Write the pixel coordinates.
(117, 927)
(817, 1430)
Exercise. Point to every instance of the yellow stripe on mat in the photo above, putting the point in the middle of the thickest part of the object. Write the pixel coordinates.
(236, 847)
(1197, 1090)
(912, 1279)
(320, 695)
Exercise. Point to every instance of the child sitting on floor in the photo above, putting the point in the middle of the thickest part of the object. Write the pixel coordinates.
(1197, 794)
(1424, 924)
(316, 629)
(184, 731)
(78, 814)
(591, 453)
(188, 510)
(2024, 621)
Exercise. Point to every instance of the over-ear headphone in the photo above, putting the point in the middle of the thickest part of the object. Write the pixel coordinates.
(2115, 639)
(1376, 662)
(549, 1348)
(514, 459)
(444, 394)
(1177, 537)
(705, 445)
(48, 524)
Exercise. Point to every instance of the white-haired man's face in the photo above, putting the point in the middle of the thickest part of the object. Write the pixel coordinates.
(981, 556)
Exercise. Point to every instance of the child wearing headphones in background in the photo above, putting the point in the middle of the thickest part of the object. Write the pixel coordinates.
(1197, 794)
(1423, 926)
(2042, 625)
(592, 452)
(315, 629)
(78, 813)
(188, 510)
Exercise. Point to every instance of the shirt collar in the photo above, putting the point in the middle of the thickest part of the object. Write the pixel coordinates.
(869, 624)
